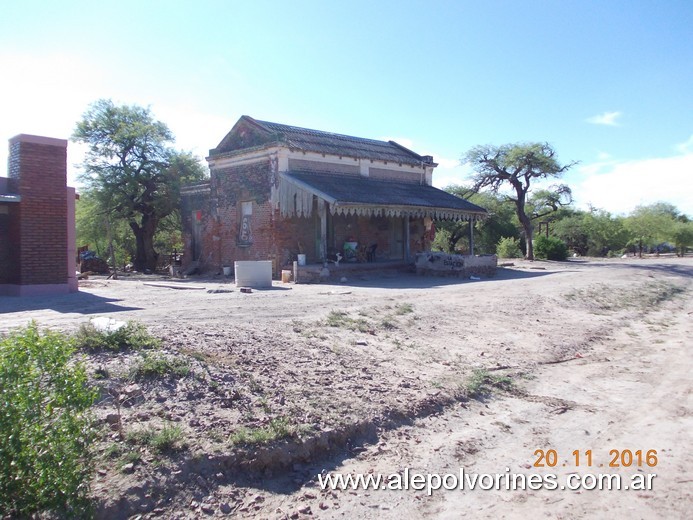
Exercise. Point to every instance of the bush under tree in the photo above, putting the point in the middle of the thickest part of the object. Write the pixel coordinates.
(508, 247)
(550, 248)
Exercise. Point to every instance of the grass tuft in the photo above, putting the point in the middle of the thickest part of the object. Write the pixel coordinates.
(341, 319)
(482, 382)
(278, 428)
(167, 440)
(404, 308)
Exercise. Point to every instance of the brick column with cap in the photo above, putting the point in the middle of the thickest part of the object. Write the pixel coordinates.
(40, 221)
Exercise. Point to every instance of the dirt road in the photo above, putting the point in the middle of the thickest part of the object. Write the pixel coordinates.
(582, 355)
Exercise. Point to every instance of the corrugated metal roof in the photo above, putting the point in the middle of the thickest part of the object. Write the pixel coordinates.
(317, 141)
(345, 190)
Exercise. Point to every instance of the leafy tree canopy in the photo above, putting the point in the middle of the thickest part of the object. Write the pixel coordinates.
(132, 171)
(517, 167)
(649, 225)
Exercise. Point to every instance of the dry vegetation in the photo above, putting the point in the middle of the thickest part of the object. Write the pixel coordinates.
(237, 389)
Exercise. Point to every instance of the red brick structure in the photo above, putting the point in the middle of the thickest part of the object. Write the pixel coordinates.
(276, 191)
(37, 220)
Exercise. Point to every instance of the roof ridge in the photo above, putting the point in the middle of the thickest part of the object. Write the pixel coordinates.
(323, 132)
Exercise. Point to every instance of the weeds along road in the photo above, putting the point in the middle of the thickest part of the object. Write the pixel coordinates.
(594, 353)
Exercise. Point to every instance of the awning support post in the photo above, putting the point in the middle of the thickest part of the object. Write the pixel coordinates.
(406, 239)
(322, 213)
(471, 237)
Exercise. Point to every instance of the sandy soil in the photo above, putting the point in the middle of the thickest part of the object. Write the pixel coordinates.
(373, 376)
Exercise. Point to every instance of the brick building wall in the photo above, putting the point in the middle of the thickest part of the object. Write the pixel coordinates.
(8, 266)
(36, 229)
(219, 212)
(217, 209)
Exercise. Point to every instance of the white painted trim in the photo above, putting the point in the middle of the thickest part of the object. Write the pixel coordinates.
(246, 158)
(335, 159)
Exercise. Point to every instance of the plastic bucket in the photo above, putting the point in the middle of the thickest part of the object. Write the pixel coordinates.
(301, 259)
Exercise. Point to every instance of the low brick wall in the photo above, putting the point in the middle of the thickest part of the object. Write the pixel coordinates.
(443, 264)
(317, 273)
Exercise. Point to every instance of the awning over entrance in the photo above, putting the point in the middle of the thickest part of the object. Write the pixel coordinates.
(356, 195)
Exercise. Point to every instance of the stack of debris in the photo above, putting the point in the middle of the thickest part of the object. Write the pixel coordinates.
(90, 263)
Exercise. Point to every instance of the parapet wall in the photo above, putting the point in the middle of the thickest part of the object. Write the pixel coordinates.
(443, 264)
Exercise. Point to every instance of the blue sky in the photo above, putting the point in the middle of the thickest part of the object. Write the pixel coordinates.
(607, 83)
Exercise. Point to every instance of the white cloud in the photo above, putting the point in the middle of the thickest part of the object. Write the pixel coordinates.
(686, 146)
(607, 118)
(445, 163)
(603, 156)
(619, 186)
(404, 141)
(450, 171)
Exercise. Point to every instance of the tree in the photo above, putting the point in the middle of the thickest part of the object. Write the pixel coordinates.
(92, 230)
(132, 172)
(519, 165)
(649, 225)
(594, 232)
(487, 232)
(682, 235)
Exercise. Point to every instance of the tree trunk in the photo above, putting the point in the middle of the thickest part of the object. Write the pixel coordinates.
(525, 221)
(529, 232)
(145, 256)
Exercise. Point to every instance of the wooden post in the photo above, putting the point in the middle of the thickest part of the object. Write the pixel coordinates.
(322, 213)
(406, 238)
(471, 236)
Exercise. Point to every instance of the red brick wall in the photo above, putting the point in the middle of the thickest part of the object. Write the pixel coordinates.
(221, 216)
(38, 169)
(7, 264)
(275, 238)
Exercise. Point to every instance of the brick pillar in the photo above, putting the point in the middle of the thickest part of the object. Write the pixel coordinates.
(38, 174)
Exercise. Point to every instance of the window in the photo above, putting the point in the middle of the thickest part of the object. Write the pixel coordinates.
(245, 234)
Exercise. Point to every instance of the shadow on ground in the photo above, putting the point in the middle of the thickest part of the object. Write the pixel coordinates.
(413, 281)
(79, 303)
(668, 268)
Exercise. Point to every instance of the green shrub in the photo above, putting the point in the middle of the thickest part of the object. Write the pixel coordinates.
(158, 366)
(45, 426)
(508, 247)
(132, 336)
(550, 248)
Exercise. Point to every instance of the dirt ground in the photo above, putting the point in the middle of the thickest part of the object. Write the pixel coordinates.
(377, 374)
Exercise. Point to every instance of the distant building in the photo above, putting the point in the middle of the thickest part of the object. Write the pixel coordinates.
(37, 220)
(276, 191)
